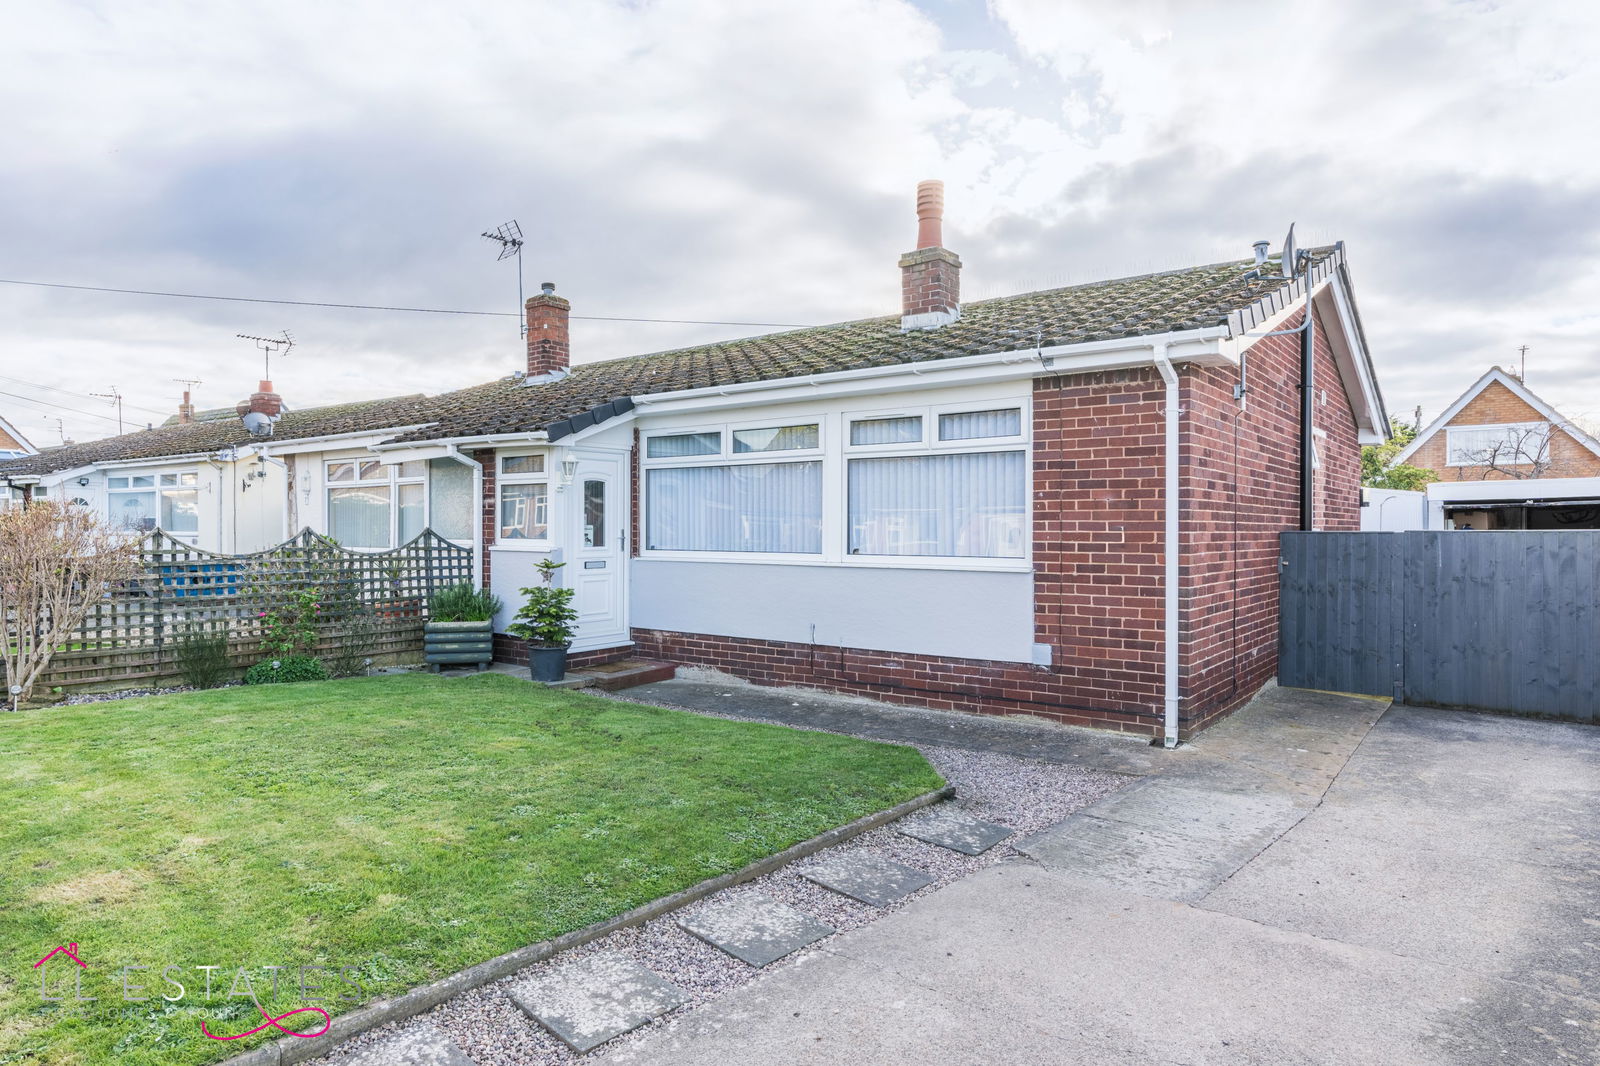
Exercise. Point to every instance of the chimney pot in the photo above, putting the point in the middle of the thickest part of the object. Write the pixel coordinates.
(1261, 251)
(930, 277)
(549, 349)
(262, 402)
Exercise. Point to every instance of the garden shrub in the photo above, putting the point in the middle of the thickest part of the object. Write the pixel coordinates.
(353, 645)
(202, 656)
(285, 669)
(463, 603)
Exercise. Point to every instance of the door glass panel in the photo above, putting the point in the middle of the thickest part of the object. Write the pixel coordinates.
(594, 514)
(450, 502)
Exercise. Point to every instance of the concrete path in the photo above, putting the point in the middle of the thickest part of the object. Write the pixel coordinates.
(1311, 883)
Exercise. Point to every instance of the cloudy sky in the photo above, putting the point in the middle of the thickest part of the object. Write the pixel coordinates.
(755, 163)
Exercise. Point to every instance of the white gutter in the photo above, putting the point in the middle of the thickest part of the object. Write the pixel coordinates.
(1171, 549)
(534, 436)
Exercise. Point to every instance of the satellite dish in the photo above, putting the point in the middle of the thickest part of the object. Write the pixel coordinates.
(258, 424)
(1289, 253)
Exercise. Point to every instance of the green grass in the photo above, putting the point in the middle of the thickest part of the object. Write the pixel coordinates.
(407, 826)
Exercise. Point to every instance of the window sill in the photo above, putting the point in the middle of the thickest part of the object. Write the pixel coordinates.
(866, 562)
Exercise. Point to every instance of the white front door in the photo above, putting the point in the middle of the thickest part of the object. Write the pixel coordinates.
(597, 557)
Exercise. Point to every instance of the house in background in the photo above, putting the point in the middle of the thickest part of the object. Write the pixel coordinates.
(1506, 459)
(1062, 503)
(13, 445)
(205, 479)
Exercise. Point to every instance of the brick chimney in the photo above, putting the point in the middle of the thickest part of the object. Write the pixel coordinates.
(930, 277)
(185, 410)
(548, 349)
(262, 402)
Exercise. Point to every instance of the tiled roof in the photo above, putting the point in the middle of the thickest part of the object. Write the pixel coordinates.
(216, 434)
(1128, 307)
(1150, 304)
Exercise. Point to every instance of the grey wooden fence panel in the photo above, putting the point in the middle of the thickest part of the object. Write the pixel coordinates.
(1341, 621)
(1502, 621)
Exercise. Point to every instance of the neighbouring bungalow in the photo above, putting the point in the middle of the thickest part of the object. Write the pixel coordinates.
(1063, 503)
(206, 479)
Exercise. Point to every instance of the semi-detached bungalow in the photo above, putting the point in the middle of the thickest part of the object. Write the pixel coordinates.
(1061, 503)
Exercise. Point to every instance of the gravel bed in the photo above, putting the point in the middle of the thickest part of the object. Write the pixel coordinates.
(1021, 794)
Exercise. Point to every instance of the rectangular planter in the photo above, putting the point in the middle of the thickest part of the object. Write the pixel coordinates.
(458, 643)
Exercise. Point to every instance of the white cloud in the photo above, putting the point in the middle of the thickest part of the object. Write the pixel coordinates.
(698, 159)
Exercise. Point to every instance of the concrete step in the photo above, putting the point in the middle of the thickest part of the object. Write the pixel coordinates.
(613, 677)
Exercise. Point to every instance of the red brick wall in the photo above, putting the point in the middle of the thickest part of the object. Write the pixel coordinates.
(1097, 530)
(978, 685)
(1240, 490)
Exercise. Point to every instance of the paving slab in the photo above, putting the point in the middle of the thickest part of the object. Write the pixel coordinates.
(421, 1045)
(950, 827)
(1165, 839)
(864, 876)
(596, 999)
(754, 928)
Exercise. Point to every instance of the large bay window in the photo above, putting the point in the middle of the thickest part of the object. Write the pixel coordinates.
(374, 505)
(912, 487)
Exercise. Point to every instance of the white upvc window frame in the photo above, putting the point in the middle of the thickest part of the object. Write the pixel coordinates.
(162, 481)
(834, 451)
(1504, 427)
(394, 478)
(545, 477)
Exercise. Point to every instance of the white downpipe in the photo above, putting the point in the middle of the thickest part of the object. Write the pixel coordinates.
(1171, 548)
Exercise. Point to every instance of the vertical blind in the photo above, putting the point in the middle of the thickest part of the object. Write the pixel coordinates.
(970, 505)
(907, 430)
(766, 507)
(681, 444)
(359, 517)
(968, 425)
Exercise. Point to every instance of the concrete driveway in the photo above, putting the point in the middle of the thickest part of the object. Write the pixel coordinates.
(1321, 879)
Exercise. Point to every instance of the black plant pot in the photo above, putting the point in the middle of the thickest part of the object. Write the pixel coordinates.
(547, 663)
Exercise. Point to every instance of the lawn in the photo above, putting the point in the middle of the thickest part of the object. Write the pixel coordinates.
(392, 829)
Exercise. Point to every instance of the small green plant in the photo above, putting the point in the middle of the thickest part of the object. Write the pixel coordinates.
(463, 603)
(202, 656)
(546, 617)
(286, 669)
(291, 627)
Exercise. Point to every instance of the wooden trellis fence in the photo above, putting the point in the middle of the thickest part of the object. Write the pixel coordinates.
(379, 598)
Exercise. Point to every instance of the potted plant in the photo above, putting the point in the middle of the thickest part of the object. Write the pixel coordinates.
(460, 627)
(545, 621)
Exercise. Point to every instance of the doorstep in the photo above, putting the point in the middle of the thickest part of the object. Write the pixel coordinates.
(613, 677)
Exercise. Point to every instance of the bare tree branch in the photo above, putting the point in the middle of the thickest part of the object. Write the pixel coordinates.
(56, 562)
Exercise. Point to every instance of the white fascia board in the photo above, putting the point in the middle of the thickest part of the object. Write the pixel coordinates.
(1353, 358)
(1447, 414)
(1122, 353)
(1540, 488)
(15, 434)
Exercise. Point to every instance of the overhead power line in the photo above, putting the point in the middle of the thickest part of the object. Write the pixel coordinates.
(69, 392)
(59, 406)
(386, 307)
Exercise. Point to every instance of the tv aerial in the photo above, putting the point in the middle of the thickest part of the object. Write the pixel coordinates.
(509, 238)
(270, 346)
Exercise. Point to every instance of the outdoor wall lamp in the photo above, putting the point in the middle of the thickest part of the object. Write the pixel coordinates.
(569, 470)
(83, 482)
